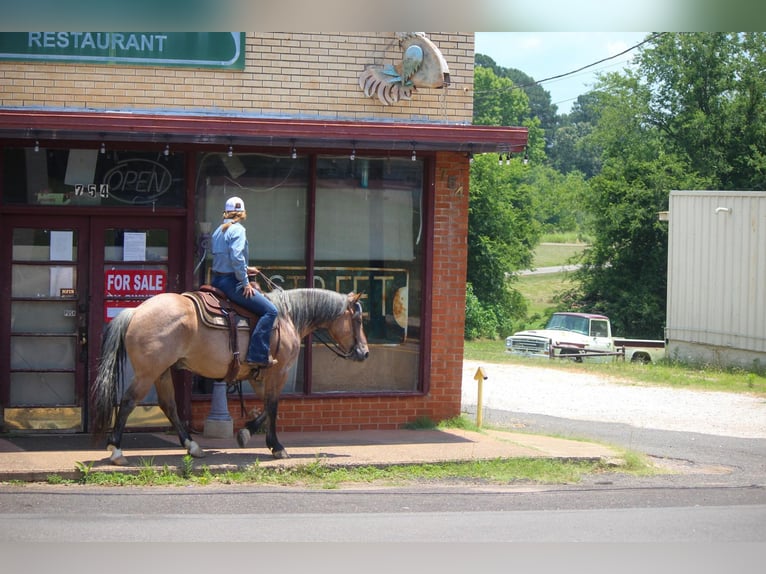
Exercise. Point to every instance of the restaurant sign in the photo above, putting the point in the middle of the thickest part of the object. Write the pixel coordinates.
(186, 49)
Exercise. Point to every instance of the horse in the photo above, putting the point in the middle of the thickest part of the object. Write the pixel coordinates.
(166, 332)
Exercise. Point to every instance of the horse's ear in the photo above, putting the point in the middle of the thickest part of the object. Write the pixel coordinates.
(353, 298)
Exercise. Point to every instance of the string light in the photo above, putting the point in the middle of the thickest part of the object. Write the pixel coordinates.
(352, 157)
(294, 153)
(230, 153)
(102, 151)
(525, 161)
(414, 154)
(166, 153)
(37, 146)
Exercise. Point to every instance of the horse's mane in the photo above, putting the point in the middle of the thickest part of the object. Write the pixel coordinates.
(309, 308)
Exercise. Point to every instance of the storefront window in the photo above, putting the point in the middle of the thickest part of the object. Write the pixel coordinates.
(88, 177)
(369, 239)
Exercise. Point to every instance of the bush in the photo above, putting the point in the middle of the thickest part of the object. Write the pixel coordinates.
(480, 322)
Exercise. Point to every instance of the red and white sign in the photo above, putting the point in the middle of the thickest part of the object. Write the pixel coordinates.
(114, 308)
(134, 282)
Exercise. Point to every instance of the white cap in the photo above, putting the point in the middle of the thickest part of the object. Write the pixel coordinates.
(234, 204)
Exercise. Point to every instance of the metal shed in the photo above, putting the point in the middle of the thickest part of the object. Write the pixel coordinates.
(716, 307)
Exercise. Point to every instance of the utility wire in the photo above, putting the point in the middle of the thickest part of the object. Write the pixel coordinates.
(558, 76)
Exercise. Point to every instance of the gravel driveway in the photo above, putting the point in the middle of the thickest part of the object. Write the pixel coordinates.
(579, 396)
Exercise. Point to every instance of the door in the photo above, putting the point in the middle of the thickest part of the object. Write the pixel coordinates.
(58, 300)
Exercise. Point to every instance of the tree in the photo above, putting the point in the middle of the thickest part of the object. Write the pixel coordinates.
(651, 132)
(707, 96)
(502, 233)
(539, 99)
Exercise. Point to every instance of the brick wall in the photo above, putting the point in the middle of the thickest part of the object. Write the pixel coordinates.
(443, 400)
(285, 75)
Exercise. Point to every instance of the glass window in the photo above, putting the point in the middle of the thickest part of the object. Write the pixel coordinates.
(368, 238)
(43, 343)
(88, 177)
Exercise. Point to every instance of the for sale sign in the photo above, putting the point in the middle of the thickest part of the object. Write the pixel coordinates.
(134, 282)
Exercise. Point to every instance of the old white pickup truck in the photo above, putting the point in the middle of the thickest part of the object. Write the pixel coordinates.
(579, 336)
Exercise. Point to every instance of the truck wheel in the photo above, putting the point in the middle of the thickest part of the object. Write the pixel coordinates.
(571, 355)
(641, 358)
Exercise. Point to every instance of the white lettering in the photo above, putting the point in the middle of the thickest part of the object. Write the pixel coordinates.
(87, 41)
(117, 40)
(132, 42)
(100, 40)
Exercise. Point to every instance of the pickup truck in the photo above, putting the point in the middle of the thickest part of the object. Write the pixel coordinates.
(578, 336)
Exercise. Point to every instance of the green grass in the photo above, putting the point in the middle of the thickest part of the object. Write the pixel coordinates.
(550, 254)
(539, 292)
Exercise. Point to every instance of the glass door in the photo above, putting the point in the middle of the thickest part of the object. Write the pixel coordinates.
(46, 335)
(69, 276)
(136, 259)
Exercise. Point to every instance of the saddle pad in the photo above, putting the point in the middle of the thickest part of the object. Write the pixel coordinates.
(209, 310)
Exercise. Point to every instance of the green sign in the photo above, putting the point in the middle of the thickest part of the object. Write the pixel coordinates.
(189, 49)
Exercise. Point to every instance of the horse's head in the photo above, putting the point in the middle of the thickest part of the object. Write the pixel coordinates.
(347, 331)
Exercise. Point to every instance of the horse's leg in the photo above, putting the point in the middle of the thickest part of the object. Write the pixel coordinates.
(127, 405)
(251, 427)
(269, 415)
(166, 397)
(270, 408)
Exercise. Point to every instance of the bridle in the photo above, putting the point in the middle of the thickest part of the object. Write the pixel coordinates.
(356, 318)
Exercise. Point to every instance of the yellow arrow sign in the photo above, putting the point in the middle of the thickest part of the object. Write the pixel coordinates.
(479, 377)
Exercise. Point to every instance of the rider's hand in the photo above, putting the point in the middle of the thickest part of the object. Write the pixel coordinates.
(248, 290)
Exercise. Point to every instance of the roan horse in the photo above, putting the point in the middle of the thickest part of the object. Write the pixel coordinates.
(165, 332)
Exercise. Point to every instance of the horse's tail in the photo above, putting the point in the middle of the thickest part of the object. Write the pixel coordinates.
(105, 388)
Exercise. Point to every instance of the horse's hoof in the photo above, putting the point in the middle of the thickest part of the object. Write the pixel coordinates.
(280, 454)
(194, 449)
(243, 437)
(117, 458)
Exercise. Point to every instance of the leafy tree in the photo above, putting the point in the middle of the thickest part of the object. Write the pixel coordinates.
(539, 99)
(707, 96)
(669, 124)
(502, 233)
(571, 149)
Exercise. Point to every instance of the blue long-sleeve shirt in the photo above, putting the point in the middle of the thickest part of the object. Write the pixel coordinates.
(230, 251)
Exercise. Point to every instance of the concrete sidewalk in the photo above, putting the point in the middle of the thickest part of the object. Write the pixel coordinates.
(35, 457)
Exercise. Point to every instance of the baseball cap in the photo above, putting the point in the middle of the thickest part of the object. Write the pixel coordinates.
(234, 204)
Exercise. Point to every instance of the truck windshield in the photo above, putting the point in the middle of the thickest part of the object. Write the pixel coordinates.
(569, 323)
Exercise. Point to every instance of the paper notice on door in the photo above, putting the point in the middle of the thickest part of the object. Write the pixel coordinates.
(134, 246)
(62, 280)
(61, 245)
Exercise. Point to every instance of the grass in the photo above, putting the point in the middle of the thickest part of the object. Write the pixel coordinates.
(540, 290)
(550, 254)
(317, 474)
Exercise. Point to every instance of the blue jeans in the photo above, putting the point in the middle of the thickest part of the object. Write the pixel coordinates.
(258, 350)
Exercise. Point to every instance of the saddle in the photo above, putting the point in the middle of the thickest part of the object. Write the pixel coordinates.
(215, 310)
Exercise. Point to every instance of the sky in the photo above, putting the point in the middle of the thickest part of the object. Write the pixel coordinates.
(545, 54)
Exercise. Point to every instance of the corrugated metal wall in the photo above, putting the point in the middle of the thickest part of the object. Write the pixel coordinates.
(717, 269)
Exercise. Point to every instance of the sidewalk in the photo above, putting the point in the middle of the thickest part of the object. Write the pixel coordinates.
(34, 457)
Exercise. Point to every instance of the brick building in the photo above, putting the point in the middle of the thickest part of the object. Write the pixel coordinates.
(119, 150)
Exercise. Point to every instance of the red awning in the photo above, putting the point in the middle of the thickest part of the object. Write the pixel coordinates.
(62, 126)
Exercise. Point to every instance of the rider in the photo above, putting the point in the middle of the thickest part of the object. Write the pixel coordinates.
(230, 275)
